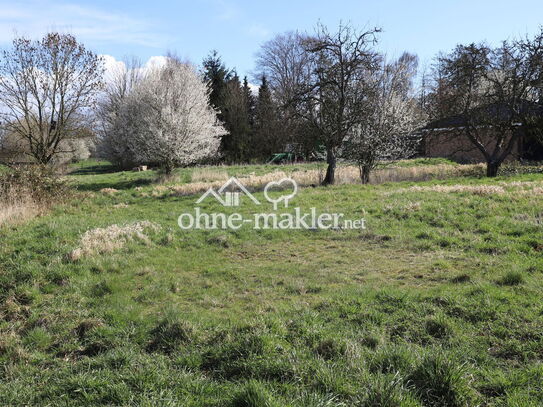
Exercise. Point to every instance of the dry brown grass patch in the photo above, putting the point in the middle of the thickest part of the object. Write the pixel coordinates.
(425, 173)
(17, 205)
(114, 237)
(205, 178)
(473, 189)
(109, 191)
(500, 188)
(208, 175)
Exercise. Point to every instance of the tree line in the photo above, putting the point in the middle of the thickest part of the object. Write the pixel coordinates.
(327, 92)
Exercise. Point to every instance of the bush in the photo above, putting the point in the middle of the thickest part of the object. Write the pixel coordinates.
(26, 191)
(40, 183)
(516, 168)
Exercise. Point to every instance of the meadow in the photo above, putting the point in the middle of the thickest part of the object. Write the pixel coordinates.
(104, 300)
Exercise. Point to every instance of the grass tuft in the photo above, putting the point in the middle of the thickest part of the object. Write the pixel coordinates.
(253, 394)
(440, 382)
(330, 349)
(169, 335)
(438, 328)
(511, 278)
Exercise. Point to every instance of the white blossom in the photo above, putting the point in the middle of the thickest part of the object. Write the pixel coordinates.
(166, 119)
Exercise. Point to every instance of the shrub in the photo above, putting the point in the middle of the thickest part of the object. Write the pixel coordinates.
(26, 191)
(38, 182)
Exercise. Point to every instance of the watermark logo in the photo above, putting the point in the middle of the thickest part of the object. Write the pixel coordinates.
(232, 191)
(232, 194)
(285, 182)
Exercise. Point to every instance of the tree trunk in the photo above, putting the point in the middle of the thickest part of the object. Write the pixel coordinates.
(330, 177)
(168, 167)
(492, 168)
(365, 174)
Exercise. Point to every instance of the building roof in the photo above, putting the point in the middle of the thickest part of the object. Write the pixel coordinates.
(485, 115)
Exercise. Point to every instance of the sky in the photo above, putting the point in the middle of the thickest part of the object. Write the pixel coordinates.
(237, 28)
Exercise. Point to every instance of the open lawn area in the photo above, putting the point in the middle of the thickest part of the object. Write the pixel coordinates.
(436, 303)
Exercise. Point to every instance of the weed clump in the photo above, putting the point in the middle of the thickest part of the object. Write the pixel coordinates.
(109, 191)
(370, 341)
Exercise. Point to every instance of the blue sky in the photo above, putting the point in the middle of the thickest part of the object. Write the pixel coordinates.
(236, 28)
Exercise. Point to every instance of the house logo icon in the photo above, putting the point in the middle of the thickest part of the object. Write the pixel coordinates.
(229, 194)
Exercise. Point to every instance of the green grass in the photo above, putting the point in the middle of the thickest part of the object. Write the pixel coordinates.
(95, 175)
(437, 303)
(3, 169)
(424, 161)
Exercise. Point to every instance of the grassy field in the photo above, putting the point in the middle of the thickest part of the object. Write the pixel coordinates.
(436, 303)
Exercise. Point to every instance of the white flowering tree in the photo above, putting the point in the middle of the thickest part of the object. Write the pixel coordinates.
(169, 118)
(386, 133)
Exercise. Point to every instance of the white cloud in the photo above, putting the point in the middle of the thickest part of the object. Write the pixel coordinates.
(114, 67)
(254, 88)
(35, 17)
(155, 62)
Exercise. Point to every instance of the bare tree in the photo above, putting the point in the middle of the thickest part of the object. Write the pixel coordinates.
(336, 97)
(390, 120)
(45, 86)
(287, 66)
(169, 118)
(492, 93)
(285, 63)
(114, 141)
